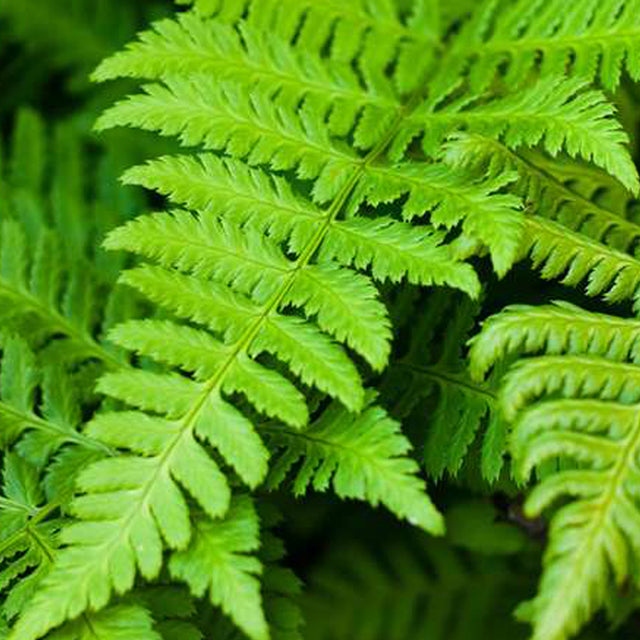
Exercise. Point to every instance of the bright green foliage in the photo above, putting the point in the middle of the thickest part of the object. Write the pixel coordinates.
(577, 405)
(571, 193)
(361, 457)
(348, 186)
(598, 38)
(215, 563)
(26, 543)
(119, 622)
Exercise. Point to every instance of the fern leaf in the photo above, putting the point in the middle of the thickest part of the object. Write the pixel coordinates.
(556, 328)
(555, 112)
(249, 56)
(430, 382)
(27, 541)
(221, 116)
(558, 252)
(583, 376)
(56, 421)
(217, 563)
(362, 456)
(168, 394)
(601, 39)
(356, 316)
(126, 496)
(249, 197)
(567, 192)
(30, 292)
(346, 30)
(592, 536)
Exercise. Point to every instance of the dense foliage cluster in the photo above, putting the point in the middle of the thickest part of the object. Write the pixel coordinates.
(318, 320)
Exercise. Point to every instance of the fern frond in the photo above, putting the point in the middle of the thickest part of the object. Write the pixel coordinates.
(308, 163)
(54, 423)
(370, 32)
(27, 535)
(573, 258)
(362, 456)
(592, 537)
(555, 329)
(30, 294)
(580, 376)
(601, 39)
(250, 57)
(430, 383)
(118, 622)
(250, 197)
(116, 530)
(222, 116)
(172, 609)
(218, 563)
(555, 112)
(569, 193)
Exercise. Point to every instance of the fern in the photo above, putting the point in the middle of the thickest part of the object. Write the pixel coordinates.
(570, 193)
(601, 39)
(430, 380)
(328, 166)
(361, 456)
(578, 404)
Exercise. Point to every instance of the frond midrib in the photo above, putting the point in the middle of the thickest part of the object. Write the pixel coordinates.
(438, 375)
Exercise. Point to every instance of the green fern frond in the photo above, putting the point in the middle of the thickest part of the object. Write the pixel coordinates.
(28, 536)
(54, 423)
(314, 176)
(567, 192)
(573, 258)
(370, 32)
(362, 456)
(49, 287)
(252, 198)
(575, 415)
(172, 609)
(118, 622)
(555, 329)
(218, 563)
(431, 381)
(281, 589)
(30, 292)
(582, 376)
(592, 539)
(556, 112)
(249, 56)
(601, 39)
